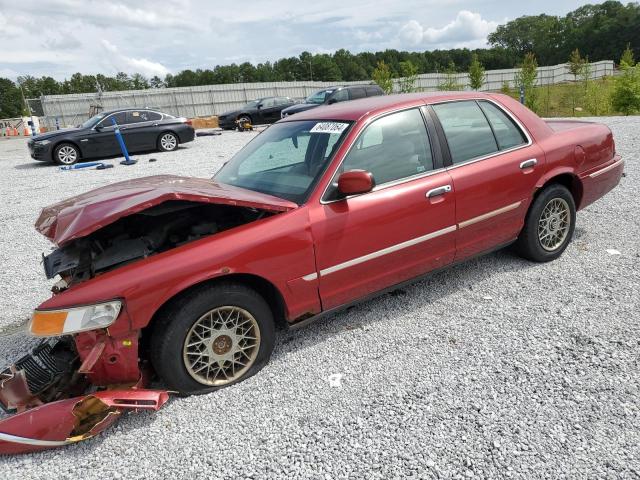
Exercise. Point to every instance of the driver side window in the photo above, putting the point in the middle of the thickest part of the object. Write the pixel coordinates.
(393, 147)
(120, 118)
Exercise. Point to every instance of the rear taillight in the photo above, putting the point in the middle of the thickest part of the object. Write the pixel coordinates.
(188, 121)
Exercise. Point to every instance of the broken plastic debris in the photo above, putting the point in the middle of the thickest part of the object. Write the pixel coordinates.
(70, 421)
(335, 380)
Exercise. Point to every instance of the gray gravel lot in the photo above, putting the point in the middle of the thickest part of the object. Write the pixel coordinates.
(495, 368)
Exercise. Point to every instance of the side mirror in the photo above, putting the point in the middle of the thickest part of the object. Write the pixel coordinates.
(97, 128)
(355, 182)
(259, 106)
(332, 101)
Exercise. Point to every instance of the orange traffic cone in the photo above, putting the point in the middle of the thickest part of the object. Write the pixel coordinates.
(26, 132)
(15, 132)
(9, 131)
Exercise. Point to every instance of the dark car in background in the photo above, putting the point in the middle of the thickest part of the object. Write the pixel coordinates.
(142, 130)
(330, 95)
(256, 112)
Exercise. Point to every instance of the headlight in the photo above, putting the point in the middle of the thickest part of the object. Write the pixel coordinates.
(42, 143)
(50, 323)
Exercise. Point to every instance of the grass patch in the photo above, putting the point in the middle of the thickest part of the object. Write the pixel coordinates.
(574, 99)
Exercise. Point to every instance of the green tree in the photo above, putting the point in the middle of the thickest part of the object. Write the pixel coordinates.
(627, 57)
(10, 99)
(526, 78)
(477, 74)
(450, 82)
(626, 90)
(409, 77)
(139, 82)
(382, 76)
(575, 63)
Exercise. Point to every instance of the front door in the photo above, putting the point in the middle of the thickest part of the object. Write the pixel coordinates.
(494, 167)
(269, 112)
(401, 229)
(101, 141)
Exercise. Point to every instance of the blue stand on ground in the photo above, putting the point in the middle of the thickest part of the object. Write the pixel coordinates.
(123, 147)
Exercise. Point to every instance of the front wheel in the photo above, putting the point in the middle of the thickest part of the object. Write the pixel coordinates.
(211, 338)
(66, 154)
(549, 225)
(167, 142)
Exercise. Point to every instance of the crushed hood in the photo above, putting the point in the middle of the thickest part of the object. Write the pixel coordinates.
(81, 215)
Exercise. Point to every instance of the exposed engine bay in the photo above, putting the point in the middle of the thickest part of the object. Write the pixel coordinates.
(155, 230)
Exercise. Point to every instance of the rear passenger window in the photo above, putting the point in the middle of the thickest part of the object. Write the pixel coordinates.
(507, 133)
(467, 131)
(357, 93)
(393, 147)
(373, 91)
(340, 95)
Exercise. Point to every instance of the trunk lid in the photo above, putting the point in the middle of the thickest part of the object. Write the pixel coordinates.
(83, 214)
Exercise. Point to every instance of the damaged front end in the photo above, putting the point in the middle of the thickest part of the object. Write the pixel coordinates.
(89, 368)
(54, 403)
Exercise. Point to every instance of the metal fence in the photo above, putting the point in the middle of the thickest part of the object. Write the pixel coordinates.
(214, 99)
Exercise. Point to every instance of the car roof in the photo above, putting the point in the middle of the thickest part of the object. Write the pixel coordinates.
(355, 109)
(109, 112)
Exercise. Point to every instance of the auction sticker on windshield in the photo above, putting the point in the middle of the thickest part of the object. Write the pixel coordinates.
(329, 127)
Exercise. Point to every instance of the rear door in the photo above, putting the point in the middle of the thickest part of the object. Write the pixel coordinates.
(494, 166)
(403, 228)
(141, 130)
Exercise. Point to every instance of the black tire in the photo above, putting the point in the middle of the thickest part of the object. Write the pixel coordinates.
(529, 244)
(244, 118)
(168, 142)
(171, 330)
(66, 154)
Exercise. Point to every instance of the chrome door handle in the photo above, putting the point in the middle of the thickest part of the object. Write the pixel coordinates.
(439, 191)
(528, 163)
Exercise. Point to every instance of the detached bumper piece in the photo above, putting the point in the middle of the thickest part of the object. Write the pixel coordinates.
(72, 420)
(38, 387)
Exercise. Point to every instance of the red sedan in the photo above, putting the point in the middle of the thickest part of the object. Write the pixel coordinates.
(319, 211)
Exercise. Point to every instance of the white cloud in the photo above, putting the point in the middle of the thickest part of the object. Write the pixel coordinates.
(466, 27)
(127, 64)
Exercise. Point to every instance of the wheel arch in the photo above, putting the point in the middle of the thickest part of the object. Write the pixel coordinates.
(245, 115)
(569, 180)
(262, 286)
(167, 130)
(70, 142)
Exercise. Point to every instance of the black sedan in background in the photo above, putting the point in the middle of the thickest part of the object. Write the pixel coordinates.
(142, 130)
(331, 95)
(256, 112)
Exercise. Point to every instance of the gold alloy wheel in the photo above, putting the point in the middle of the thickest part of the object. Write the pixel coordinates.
(554, 223)
(221, 346)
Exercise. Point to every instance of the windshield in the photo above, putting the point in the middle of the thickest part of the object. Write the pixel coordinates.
(318, 97)
(93, 120)
(251, 104)
(286, 160)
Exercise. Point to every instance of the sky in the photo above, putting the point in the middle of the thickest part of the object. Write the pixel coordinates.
(155, 37)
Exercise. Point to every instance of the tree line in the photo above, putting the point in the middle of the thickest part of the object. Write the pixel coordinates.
(601, 32)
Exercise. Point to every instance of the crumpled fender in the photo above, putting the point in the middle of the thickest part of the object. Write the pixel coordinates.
(72, 420)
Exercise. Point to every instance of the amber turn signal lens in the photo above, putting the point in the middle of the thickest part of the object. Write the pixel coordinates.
(47, 323)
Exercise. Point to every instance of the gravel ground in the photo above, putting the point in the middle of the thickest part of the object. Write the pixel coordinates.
(495, 368)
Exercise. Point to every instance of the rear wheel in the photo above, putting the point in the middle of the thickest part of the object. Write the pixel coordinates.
(549, 225)
(66, 154)
(211, 338)
(167, 142)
